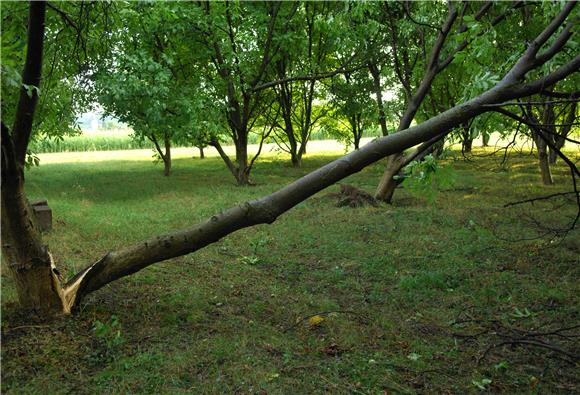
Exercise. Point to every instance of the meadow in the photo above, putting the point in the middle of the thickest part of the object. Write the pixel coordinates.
(453, 294)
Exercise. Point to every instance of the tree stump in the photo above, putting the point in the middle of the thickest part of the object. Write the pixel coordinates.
(43, 214)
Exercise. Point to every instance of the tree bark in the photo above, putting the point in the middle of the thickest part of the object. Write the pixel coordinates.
(224, 156)
(388, 182)
(485, 140)
(563, 132)
(243, 170)
(553, 154)
(308, 123)
(31, 77)
(167, 156)
(25, 256)
(466, 139)
(544, 162)
(295, 159)
(164, 155)
(379, 96)
(354, 131)
(201, 153)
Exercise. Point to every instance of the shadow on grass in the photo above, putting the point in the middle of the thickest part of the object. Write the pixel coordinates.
(127, 181)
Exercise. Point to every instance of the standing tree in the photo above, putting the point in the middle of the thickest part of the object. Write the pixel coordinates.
(550, 123)
(145, 85)
(463, 29)
(239, 42)
(308, 51)
(353, 107)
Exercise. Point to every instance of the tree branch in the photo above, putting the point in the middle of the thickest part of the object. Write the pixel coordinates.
(64, 16)
(408, 13)
(31, 77)
(313, 77)
(525, 121)
(553, 195)
(215, 143)
(157, 147)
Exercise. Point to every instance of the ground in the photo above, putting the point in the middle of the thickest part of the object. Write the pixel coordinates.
(408, 298)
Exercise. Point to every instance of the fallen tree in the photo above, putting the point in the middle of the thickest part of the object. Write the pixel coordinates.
(38, 282)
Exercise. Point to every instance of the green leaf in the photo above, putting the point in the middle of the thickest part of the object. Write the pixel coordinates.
(30, 89)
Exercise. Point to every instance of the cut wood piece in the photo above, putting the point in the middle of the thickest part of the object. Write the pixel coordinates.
(43, 215)
(39, 202)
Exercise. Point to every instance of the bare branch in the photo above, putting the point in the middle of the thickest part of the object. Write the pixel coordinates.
(64, 16)
(560, 95)
(313, 77)
(551, 196)
(525, 121)
(408, 13)
(558, 44)
(551, 28)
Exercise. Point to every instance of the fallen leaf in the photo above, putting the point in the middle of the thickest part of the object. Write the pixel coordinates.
(315, 320)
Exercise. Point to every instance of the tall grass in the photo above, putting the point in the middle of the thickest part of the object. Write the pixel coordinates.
(87, 143)
(111, 140)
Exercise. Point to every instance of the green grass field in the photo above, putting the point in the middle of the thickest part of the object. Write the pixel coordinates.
(413, 297)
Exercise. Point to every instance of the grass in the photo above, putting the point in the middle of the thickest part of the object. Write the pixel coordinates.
(408, 285)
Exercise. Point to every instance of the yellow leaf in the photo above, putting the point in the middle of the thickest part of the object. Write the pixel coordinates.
(315, 320)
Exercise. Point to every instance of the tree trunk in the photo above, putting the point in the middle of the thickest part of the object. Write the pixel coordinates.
(25, 257)
(379, 96)
(438, 148)
(552, 157)
(296, 159)
(293, 146)
(164, 153)
(563, 131)
(167, 156)
(485, 139)
(544, 162)
(286, 101)
(201, 153)
(388, 184)
(356, 130)
(467, 145)
(243, 171)
(301, 152)
(224, 156)
(466, 139)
